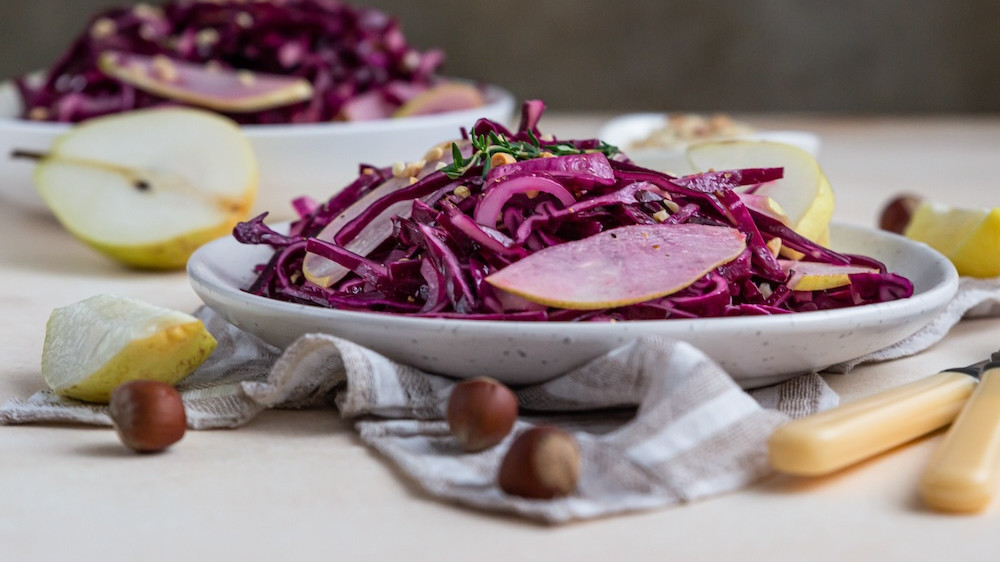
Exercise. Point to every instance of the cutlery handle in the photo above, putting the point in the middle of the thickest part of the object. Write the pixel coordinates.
(834, 439)
(963, 472)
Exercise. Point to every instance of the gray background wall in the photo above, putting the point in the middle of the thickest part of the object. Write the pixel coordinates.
(849, 56)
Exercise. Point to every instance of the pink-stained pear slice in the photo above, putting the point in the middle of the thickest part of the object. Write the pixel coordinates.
(766, 206)
(621, 266)
(325, 272)
(450, 96)
(368, 106)
(226, 91)
(816, 276)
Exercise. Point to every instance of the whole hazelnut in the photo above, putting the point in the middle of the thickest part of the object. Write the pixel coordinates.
(148, 415)
(481, 412)
(897, 213)
(542, 463)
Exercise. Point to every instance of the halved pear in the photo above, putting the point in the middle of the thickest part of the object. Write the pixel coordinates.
(149, 187)
(96, 344)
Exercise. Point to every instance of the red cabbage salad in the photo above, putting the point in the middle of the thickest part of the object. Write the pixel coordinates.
(422, 239)
(355, 58)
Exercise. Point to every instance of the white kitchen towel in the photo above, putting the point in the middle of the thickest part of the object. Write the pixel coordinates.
(658, 422)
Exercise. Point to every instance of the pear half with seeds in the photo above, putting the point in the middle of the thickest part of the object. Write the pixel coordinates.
(94, 345)
(149, 187)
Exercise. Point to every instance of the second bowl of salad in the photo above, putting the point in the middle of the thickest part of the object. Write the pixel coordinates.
(317, 86)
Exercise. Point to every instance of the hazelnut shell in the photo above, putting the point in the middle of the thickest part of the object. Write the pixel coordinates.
(542, 463)
(481, 412)
(898, 212)
(148, 415)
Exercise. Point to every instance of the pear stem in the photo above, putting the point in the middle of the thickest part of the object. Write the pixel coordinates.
(137, 181)
(27, 154)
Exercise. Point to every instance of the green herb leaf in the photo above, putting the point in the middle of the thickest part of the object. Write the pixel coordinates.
(486, 145)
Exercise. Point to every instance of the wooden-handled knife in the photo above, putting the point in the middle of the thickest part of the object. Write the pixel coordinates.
(834, 439)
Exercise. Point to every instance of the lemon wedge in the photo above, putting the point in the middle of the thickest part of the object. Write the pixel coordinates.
(96, 344)
(969, 237)
(803, 194)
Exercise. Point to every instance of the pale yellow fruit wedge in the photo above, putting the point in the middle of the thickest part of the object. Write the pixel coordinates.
(963, 473)
(969, 237)
(96, 344)
(804, 193)
(814, 276)
(149, 187)
(835, 439)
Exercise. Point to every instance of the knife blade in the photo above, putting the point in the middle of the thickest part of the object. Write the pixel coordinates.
(837, 438)
(963, 472)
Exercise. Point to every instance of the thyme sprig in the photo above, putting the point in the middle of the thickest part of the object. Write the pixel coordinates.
(485, 146)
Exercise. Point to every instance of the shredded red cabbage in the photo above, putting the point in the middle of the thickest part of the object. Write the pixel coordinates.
(466, 219)
(346, 52)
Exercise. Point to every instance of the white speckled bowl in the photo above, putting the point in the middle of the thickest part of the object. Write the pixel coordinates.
(756, 351)
(294, 160)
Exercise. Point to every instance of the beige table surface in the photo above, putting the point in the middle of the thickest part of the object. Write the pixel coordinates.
(301, 486)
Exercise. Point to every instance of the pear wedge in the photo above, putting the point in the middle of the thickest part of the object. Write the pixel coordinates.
(94, 345)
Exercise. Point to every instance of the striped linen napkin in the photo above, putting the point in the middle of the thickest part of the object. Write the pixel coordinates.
(657, 421)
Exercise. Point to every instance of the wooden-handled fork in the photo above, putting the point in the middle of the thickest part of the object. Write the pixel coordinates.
(961, 476)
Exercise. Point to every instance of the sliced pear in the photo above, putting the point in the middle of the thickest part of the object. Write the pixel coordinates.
(149, 187)
(765, 205)
(449, 96)
(804, 193)
(621, 266)
(969, 237)
(368, 106)
(96, 344)
(814, 276)
(325, 272)
(228, 91)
